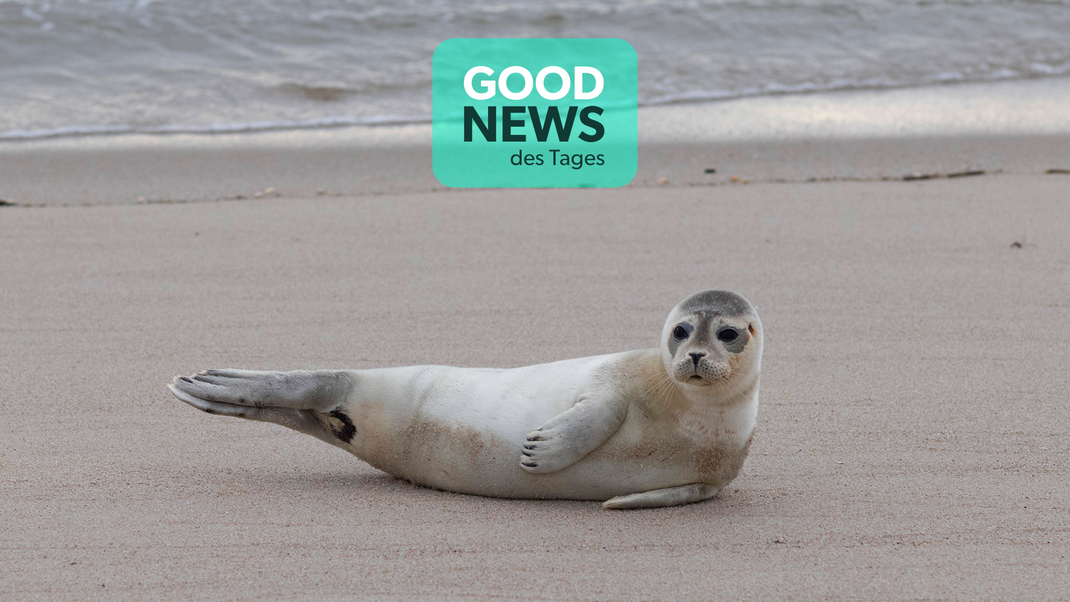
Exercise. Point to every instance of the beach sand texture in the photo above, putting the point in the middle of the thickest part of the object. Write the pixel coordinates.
(912, 442)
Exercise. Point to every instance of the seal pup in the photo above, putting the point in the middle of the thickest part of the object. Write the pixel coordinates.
(639, 429)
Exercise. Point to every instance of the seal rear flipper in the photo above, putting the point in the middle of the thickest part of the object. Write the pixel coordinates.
(321, 390)
(660, 498)
(304, 421)
(307, 402)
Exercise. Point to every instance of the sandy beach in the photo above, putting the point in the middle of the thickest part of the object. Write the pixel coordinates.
(252, 184)
(912, 441)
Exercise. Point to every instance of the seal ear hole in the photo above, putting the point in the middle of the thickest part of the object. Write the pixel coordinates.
(750, 327)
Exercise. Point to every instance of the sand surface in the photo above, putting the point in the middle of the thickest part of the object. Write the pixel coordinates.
(912, 443)
(135, 169)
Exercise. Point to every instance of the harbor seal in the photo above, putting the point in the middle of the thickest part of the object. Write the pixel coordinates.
(639, 429)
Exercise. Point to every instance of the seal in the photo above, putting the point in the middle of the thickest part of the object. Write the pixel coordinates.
(638, 429)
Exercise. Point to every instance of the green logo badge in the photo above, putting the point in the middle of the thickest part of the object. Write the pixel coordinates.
(543, 113)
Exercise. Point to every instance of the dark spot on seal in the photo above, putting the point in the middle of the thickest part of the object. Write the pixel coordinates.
(680, 334)
(682, 330)
(735, 345)
(346, 431)
(727, 334)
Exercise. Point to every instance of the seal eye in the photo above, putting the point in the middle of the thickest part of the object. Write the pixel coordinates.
(681, 332)
(727, 335)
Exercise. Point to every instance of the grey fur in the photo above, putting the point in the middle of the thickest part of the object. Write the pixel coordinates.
(725, 303)
(737, 345)
(674, 344)
(706, 326)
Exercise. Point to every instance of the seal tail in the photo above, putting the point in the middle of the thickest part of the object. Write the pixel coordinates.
(308, 402)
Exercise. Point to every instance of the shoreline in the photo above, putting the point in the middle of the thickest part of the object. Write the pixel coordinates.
(833, 136)
(251, 170)
(1026, 89)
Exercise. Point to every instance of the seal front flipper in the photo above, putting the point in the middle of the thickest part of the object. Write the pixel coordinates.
(572, 434)
(659, 498)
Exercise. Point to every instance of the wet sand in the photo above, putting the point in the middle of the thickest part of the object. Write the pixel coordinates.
(1013, 127)
(912, 442)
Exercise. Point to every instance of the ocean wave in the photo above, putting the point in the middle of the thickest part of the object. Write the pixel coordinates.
(75, 68)
(1037, 71)
(214, 128)
(690, 97)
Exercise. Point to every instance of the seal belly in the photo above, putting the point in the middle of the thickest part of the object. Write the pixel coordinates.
(446, 454)
(459, 429)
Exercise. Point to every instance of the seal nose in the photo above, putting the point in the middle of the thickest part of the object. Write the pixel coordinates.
(696, 357)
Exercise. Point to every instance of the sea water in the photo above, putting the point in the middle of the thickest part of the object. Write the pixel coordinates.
(79, 67)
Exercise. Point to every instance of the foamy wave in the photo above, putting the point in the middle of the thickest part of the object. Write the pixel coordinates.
(778, 89)
(771, 89)
(214, 128)
(259, 65)
(1038, 71)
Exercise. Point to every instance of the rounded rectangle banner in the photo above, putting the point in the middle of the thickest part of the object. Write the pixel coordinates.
(535, 113)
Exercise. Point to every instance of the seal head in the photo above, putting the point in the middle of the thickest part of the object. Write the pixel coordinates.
(712, 344)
